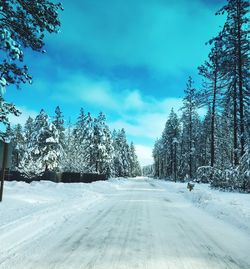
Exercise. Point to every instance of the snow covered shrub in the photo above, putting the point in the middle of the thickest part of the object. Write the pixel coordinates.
(217, 178)
(244, 170)
(212, 175)
(231, 179)
(246, 181)
(204, 174)
(30, 167)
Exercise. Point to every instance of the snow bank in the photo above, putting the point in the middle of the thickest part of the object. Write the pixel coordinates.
(231, 207)
(24, 200)
(21, 199)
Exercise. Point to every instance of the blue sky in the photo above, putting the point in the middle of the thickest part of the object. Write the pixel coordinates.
(129, 59)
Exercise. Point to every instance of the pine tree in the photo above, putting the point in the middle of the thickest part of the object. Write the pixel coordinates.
(189, 121)
(22, 25)
(121, 154)
(47, 145)
(68, 158)
(30, 164)
(211, 71)
(159, 156)
(5, 110)
(135, 169)
(101, 146)
(235, 36)
(58, 123)
(82, 140)
(170, 139)
(41, 147)
(206, 139)
(18, 141)
(107, 164)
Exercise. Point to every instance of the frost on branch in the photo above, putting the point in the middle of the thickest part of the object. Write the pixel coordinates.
(3, 84)
(5, 110)
(22, 25)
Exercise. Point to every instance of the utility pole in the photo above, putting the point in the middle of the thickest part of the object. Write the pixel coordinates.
(4, 164)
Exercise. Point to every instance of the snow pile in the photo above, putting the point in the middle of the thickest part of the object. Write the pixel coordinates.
(231, 207)
(29, 200)
(26, 200)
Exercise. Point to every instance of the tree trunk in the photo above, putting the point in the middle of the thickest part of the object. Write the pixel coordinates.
(236, 161)
(175, 162)
(212, 160)
(240, 77)
(190, 144)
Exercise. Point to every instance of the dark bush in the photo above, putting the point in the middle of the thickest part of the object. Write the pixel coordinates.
(50, 176)
(69, 177)
(88, 177)
(66, 177)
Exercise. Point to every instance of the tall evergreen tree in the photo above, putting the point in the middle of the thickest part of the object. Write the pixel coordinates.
(68, 160)
(30, 164)
(18, 141)
(189, 122)
(235, 36)
(211, 71)
(170, 139)
(101, 146)
(157, 155)
(135, 169)
(46, 137)
(22, 25)
(58, 124)
(121, 154)
(82, 143)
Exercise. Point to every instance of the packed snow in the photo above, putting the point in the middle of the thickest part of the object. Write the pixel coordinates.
(123, 223)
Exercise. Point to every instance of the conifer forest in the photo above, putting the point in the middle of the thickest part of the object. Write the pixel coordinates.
(214, 147)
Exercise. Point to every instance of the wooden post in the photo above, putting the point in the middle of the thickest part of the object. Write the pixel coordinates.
(5, 156)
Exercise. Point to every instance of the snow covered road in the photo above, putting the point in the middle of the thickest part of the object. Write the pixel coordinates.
(132, 224)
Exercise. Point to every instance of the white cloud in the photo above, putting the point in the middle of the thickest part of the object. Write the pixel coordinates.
(139, 115)
(101, 93)
(79, 87)
(147, 124)
(133, 100)
(150, 121)
(144, 154)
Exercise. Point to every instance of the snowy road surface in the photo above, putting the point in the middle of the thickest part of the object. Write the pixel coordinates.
(136, 224)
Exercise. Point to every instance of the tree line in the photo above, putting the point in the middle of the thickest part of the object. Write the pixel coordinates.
(44, 144)
(214, 148)
(87, 146)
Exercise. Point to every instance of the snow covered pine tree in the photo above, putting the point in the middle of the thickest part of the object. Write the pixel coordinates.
(22, 25)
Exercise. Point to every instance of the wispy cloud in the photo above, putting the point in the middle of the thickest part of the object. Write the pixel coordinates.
(145, 37)
(141, 115)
